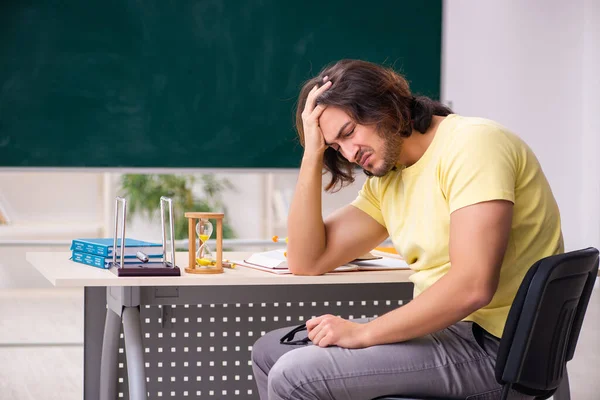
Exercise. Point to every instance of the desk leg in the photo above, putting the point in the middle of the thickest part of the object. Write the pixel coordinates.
(563, 392)
(93, 326)
(134, 350)
(110, 353)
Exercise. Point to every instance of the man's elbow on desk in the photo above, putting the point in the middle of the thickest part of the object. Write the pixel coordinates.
(306, 273)
(303, 267)
(303, 271)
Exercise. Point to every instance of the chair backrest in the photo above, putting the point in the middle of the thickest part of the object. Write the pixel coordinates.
(544, 322)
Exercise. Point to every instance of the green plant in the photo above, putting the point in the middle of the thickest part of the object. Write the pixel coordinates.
(143, 193)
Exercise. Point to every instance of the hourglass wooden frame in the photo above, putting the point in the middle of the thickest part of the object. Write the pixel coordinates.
(193, 218)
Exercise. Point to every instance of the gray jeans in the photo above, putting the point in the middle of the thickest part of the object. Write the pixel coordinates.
(455, 362)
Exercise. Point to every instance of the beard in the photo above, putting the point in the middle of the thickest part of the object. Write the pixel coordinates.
(391, 153)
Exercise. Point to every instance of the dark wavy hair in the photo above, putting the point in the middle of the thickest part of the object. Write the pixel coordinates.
(371, 95)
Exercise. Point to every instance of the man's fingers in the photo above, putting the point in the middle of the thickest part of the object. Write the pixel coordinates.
(318, 336)
(313, 322)
(318, 110)
(313, 94)
(313, 117)
(310, 99)
(326, 341)
(314, 332)
(320, 342)
(323, 88)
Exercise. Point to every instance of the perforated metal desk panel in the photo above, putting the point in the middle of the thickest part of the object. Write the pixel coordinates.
(198, 330)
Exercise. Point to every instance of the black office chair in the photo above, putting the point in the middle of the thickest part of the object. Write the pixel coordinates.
(543, 326)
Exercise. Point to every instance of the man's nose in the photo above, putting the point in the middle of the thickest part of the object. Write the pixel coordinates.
(349, 151)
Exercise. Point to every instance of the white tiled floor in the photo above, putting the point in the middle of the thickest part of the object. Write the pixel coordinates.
(41, 352)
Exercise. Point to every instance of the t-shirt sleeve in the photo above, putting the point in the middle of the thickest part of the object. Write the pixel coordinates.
(368, 200)
(479, 165)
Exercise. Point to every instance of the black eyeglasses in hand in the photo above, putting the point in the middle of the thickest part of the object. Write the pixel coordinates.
(288, 338)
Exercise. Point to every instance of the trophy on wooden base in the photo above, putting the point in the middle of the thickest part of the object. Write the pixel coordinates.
(144, 268)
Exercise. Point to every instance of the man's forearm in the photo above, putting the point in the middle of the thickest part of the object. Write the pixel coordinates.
(306, 231)
(446, 302)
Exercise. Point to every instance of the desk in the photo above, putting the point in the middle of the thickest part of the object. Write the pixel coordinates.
(191, 336)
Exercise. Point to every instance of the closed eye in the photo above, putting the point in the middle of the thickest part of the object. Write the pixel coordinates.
(347, 135)
(341, 135)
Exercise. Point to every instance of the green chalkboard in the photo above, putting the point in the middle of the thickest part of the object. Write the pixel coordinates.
(186, 83)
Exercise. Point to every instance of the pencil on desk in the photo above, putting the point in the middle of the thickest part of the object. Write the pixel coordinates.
(276, 239)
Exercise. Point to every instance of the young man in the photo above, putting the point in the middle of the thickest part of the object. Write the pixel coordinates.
(462, 199)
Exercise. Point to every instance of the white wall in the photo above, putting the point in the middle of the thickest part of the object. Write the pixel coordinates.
(532, 65)
(40, 203)
(590, 86)
(245, 210)
(45, 206)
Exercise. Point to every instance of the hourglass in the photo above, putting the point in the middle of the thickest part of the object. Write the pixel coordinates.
(201, 260)
(204, 230)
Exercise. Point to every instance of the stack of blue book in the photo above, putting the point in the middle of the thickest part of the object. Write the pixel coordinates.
(99, 252)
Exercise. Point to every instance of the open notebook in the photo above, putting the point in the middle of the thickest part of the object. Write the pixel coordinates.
(274, 261)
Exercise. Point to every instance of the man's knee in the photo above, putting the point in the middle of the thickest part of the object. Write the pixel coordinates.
(262, 352)
(284, 378)
(295, 375)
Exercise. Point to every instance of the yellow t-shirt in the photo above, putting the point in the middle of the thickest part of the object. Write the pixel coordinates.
(470, 160)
